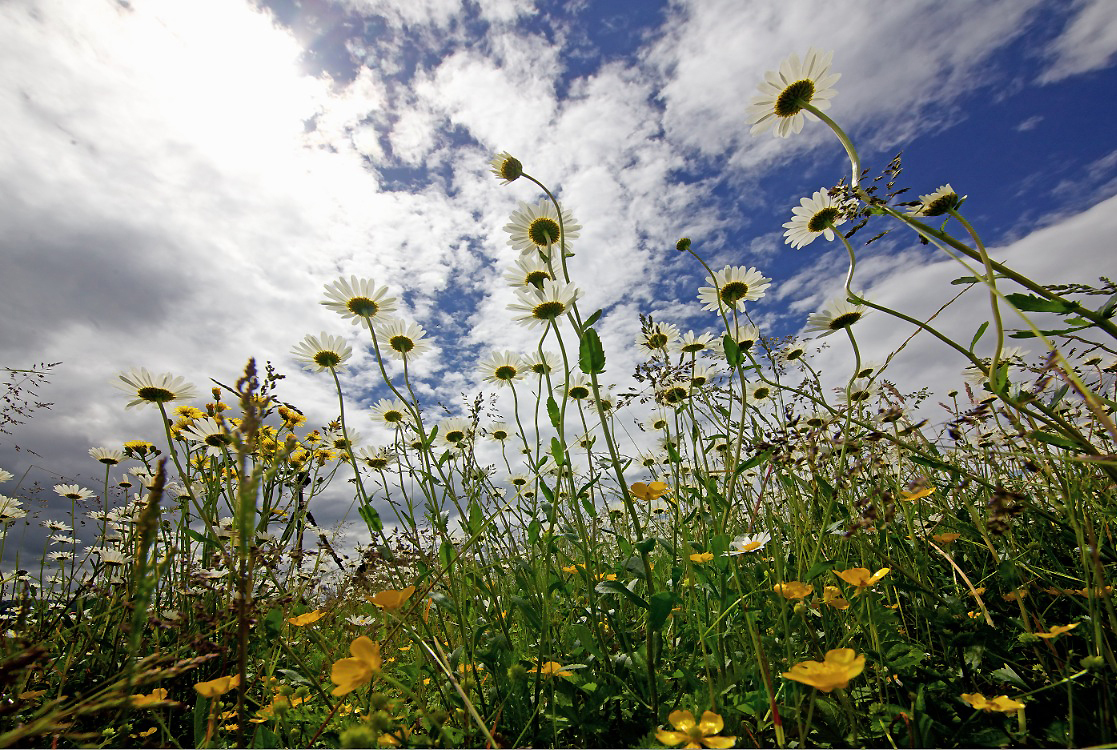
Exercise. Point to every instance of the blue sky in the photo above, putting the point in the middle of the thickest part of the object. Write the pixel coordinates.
(181, 180)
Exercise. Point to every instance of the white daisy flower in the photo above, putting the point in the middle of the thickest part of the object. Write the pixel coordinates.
(745, 335)
(657, 337)
(733, 286)
(5, 475)
(506, 167)
(154, 389)
(869, 369)
(836, 315)
(323, 352)
(692, 344)
(500, 431)
(502, 368)
(541, 307)
(62, 539)
(660, 420)
(61, 556)
(530, 271)
(376, 458)
(535, 228)
(214, 436)
(541, 363)
(749, 543)
(576, 387)
(784, 92)
(392, 413)
(342, 441)
(937, 203)
(56, 526)
(759, 392)
(359, 300)
(113, 557)
(74, 492)
(107, 456)
(795, 351)
(701, 375)
(405, 340)
(860, 391)
(361, 621)
(455, 431)
(674, 392)
(814, 216)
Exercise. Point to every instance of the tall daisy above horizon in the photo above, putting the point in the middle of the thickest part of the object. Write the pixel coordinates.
(405, 340)
(786, 92)
(155, 389)
(323, 352)
(834, 316)
(733, 286)
(534, 228)
(541, 307)
(814, 216)
(359, 300)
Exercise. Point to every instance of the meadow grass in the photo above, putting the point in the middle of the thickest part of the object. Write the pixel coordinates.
(767, 563)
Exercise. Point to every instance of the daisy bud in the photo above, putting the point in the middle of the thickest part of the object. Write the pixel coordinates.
(683, 245)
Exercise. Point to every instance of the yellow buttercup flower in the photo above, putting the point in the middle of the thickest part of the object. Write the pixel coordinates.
(350, 674)
(860, 577)
(155, 698)
(700, 733)
(552, 669)
(832, 595)
(648, 492)
(793, 590)
(307, 618)
(218, 687)
(391, 599)
(1001, 703)
(702, 557)
(1058, 630)
(840, 666)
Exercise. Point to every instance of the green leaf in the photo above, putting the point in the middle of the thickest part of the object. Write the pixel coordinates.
(533, 530)
(646, 545)
(553, 412)
(591, 320)
(616, 587)
(273, 624)
(659, 609)
(1051, 332)
(732, 351)
(371, 517)
(756, 460)
(673, 455)
(476, 518)
(591, 356)
(1056, 440)
(977, 336)
(930, 463)
(530, 613)
(446, 554)
(557, 451)
(819, 568)
(1032, 303)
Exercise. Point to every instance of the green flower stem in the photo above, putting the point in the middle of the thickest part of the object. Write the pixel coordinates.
(991, 282)
(349, 451)
(854, 159)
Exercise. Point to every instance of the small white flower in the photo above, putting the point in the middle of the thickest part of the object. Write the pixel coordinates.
(814, 216)
(749, 543)
(784, 92)
(536, 228)
(405, 340)
(359, 300)
(73, 492)
(502, 368)
(937, 203)
(154, 389)
(542, 307)
(835, 315)
(733, 286)
(693, 344)
(323, 352)
(657, 337)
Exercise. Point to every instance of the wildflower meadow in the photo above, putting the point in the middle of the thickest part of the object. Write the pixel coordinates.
(766, 563)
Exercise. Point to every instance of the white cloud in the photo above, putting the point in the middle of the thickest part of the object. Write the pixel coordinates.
(1088, 42)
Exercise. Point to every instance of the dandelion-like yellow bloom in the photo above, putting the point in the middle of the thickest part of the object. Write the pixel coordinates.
(832, 595)
(698, 734)
(155, 698)
(218, 687)
(649, 492)
(860, 577)
(390, 599)
(1058, 630)
(1001, 703)
(793, 590)
(702, 557)
(307, 618)
(350, 674)
(839, 667)
(552, 669)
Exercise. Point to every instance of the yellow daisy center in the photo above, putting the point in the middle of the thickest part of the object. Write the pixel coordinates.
(548, 310)
(543, 231)
(402, 344)
(327, 358)
(155, 394)
(505, 372)
(791, 100)
(734, 292)
(823, 219)
(362, 306)
(844, 321)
